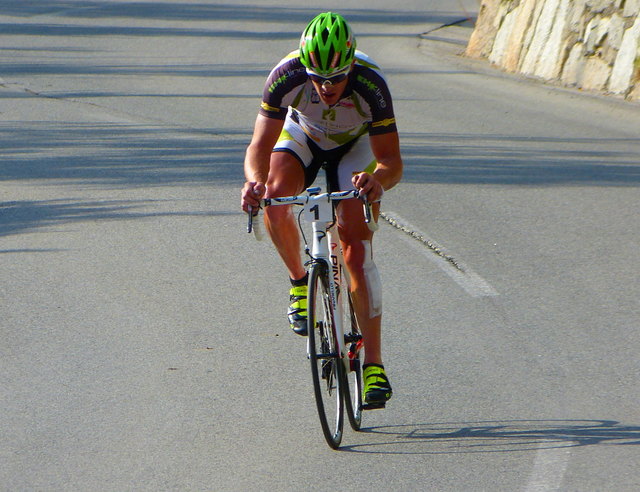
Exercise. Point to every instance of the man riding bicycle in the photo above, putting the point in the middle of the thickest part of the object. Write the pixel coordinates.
(318, 104)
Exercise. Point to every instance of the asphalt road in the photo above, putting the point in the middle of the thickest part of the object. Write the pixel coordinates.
(144, 343)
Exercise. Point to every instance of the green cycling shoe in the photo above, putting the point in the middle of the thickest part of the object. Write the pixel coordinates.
(377, 390)
(297, 313)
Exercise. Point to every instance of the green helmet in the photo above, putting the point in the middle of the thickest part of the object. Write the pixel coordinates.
(327, 44)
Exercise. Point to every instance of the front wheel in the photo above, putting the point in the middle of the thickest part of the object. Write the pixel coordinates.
(327, 369)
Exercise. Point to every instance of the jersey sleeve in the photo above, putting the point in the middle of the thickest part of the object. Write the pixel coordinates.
(281, 86)
(374, 89)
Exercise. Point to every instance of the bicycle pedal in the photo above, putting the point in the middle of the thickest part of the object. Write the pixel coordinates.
(352, 338)
(373, 406)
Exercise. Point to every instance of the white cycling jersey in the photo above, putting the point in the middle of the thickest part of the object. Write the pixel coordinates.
(365, 106)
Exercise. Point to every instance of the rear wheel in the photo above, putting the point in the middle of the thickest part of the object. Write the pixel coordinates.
(327, 369)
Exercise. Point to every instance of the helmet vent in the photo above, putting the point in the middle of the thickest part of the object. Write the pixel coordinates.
(325, 35)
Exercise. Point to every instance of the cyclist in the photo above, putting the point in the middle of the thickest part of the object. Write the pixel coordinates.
(318, 105)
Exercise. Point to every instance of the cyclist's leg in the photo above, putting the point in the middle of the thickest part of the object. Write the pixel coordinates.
(366, 288)
(366, 292)
(365, 282)
(289, 173)
(292, 169)
(356, 243)
(286, 177)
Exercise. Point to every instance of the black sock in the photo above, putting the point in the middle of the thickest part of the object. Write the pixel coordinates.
(299, 283)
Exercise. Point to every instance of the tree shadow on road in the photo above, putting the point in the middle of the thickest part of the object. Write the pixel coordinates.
(108, 157)
(19, 217)
(496, 436)
(521, 160)
(119, 155)
(202, 11)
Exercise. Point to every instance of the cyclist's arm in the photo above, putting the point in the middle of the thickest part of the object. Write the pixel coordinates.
(388, 171)
(256, 162)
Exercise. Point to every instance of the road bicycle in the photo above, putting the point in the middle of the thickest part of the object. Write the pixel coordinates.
(334, 342)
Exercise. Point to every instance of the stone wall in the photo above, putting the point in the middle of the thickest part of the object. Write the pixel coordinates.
(588, 44)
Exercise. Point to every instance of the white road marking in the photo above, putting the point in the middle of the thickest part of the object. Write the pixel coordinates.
(549, 468)
(462, 274)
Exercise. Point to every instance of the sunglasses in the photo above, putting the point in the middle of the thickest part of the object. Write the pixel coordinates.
(336, 79)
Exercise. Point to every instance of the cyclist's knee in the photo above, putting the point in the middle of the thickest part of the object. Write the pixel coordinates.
(286, 176)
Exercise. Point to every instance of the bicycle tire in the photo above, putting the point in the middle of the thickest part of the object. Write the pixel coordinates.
(327, 368)
(353, 374)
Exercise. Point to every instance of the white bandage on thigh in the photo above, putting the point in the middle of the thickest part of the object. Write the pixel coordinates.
(372, 278)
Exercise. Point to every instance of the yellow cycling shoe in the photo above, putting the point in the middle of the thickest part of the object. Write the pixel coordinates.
(298, 309)
(377, 390)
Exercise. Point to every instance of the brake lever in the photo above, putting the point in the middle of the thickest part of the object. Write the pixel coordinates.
(368, 214)
(256, 228)
(250, 219)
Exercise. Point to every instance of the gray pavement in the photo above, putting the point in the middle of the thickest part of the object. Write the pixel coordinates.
(144, 343)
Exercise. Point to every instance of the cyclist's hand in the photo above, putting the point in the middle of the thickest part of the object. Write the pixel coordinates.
(367, 184)
(252, 192)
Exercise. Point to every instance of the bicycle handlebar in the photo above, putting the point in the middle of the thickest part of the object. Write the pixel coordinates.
(314, 195)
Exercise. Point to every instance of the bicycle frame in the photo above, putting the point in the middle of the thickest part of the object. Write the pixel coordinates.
(325, 245)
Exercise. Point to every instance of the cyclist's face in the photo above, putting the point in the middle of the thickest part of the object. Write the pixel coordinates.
(330, 93)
